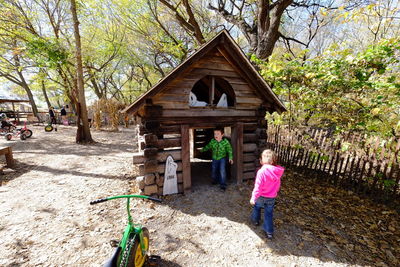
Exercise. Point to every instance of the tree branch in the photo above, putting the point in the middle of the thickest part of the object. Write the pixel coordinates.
(291, 39)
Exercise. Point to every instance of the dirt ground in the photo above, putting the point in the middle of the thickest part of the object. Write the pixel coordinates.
(46, 219)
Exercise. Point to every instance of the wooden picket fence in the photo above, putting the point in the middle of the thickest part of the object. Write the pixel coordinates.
(365, 165)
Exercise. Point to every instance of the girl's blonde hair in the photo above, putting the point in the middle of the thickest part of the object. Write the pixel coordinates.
(269, 157)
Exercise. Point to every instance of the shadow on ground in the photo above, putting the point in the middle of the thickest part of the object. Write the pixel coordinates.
(21, 168)
(311, 220)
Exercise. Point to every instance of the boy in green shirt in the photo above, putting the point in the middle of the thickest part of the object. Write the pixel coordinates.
(221, 148)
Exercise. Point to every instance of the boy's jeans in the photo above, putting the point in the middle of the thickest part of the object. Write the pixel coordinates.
(218, 171)
(268, 205)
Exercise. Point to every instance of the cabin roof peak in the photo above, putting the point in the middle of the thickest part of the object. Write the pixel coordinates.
(224, 41)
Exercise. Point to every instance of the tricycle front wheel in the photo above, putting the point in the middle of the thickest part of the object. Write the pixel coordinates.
(135, 257)
(48, 128)
(28, 133)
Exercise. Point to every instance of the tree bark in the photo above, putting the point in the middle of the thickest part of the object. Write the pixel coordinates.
(190, 25)
(83, 134)
(96, 88)
(264, 33)
(28, 91)
(45, 95)
(22, 82)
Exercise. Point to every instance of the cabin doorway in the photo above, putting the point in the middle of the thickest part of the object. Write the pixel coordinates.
(200, 162)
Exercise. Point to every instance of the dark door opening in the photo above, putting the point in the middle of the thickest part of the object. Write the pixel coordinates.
(200, 162)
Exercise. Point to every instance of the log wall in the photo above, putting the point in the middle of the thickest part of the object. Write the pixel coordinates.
(166, 120)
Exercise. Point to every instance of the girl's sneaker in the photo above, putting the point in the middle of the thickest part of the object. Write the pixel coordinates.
(269, 236)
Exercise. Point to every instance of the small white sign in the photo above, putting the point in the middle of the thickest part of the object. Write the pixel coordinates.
(170, 178)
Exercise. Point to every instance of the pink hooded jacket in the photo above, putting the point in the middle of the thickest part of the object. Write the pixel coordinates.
(268, 182)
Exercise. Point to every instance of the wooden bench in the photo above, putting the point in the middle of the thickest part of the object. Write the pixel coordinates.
(7, 151)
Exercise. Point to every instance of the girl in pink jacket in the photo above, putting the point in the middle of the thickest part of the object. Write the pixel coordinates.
(266, 187)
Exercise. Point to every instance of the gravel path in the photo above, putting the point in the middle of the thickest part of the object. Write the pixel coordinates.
(46, 219)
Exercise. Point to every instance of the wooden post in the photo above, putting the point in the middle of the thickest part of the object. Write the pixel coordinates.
(212, 91)
(185, 144)
(16, 115)
(7, 151)
(238, 151)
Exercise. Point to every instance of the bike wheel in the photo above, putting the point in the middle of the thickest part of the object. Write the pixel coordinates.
(28, 133)
(135, 257)
(48, 128)
(8, 137)
(22, 136)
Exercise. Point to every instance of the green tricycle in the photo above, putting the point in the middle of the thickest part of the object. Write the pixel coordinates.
(133, 248)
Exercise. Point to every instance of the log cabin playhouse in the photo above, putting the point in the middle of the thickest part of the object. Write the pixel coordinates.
(215, 87)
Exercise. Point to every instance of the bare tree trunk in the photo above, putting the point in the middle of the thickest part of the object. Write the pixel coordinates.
(83, 134)
(263, 34)
(45, 95)
(25, 85)
(28, 91)
(190, 25)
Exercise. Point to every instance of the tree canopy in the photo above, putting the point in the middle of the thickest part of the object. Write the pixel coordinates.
(325, 58)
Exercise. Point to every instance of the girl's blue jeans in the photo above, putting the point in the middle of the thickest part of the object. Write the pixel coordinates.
(268, 205)
(218, 171)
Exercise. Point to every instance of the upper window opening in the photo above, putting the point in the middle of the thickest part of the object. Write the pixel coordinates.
(212, 91)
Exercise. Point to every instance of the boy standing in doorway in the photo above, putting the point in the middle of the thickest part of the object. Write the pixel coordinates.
(221, 148)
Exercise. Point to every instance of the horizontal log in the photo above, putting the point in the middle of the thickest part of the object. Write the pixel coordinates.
(249, 127)
(138, 158)
(170, 142)
(250, 147)
(236, 81)
(152, 111)
(249, 167)
(206, 121)
(207, 112)
(159, 169)
(173, 105)
(249, 157)
(160, 156)
(247, 106)
(170, 129)
(254, 101)
(250, 138)
(175, 153)
(216, 59)
(151, 126)
(184, 87)
(150, 153)
(214, 65)
(150, 166)
(150, 139)
(249, 175)
(205, 72)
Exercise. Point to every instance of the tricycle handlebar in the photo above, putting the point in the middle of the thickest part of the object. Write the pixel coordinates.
(98, 201)
(155, 199)
(124, 196)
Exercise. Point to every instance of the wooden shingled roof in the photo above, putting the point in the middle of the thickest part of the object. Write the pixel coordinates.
(12, 99)
(237, 59)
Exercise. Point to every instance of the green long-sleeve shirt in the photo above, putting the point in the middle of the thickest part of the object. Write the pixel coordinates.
(219, 149)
